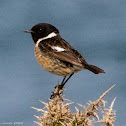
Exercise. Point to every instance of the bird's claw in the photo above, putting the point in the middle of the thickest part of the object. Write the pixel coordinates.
(57, 92)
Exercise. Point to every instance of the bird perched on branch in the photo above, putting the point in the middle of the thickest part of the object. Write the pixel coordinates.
(56, 55)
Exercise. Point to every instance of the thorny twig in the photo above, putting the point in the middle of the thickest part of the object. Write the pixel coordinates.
(57, 113)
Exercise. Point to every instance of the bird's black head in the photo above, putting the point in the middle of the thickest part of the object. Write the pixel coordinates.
(42, 30)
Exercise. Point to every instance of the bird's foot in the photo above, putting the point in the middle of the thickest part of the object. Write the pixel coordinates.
(57, 92)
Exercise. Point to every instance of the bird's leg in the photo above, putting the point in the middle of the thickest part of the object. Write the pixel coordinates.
(61, 82)
(58, 88)
(65, 81)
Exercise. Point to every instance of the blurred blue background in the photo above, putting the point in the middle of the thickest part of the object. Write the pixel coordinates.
(96, 28)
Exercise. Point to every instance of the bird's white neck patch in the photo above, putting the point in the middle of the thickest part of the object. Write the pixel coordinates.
(57, 48)
(51, 35)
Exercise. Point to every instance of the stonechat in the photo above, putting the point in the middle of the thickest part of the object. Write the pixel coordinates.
(56, 55)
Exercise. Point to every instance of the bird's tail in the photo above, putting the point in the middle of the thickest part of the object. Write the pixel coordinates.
(94, 69)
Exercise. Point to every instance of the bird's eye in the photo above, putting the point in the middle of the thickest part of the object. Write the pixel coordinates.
(40, 30)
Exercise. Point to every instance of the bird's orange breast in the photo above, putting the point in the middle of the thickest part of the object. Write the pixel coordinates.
(52, 65)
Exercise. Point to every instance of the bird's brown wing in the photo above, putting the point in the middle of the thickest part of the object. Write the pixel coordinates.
(69, 54)
(66, 56)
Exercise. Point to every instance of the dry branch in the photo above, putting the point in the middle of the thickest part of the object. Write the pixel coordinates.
(58, 113)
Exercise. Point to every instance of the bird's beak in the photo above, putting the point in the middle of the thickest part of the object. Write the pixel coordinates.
(28, 31)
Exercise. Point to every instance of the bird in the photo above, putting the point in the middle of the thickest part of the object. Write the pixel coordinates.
(56, 55)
